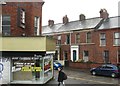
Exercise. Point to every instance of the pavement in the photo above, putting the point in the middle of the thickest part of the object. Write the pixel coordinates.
(76, 73)
(76, 70)
(83, 77)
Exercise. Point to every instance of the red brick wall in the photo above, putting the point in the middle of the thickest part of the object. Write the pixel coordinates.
(31, 9)
(67, 49)
(109, 45)
(94, 48)
(83, 65)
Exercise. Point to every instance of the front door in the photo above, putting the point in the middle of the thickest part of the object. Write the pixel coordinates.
(106, 56)
(65, 55)
(85, 56)
(66, 59)
(74, 52)
(74, 55)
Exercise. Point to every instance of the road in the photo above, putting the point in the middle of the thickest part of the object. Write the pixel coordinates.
(83, 77)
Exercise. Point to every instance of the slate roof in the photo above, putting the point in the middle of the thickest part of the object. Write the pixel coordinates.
(78, 25)
(93, 23)
(112, 22)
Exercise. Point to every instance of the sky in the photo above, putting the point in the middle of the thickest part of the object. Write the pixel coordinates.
(56, 9)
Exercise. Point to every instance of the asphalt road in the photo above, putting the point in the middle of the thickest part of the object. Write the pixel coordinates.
(83, 77)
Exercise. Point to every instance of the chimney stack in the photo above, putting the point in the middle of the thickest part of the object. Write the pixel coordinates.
(50, 23)
(65, 19)
(104, 14)
(81, 17)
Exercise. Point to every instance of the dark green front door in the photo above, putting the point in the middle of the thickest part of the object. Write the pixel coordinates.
(74, 55)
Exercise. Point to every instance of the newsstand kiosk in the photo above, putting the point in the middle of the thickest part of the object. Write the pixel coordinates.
(32, 70)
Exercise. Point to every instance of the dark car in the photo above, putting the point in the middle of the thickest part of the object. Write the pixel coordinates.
(106, 70)
(56, 65)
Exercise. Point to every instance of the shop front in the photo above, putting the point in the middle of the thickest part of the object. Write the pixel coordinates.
(32, 70)
(26, 67)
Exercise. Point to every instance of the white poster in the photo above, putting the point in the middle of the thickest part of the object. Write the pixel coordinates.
(4, 71)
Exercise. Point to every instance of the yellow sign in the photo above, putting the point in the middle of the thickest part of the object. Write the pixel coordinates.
(31, 69)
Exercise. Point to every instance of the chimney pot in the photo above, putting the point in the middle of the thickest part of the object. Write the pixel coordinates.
(81, 17)
(50, 23)
(65, 19)
(104, 14)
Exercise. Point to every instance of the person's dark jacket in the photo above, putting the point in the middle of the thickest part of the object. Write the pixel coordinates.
(60, 76)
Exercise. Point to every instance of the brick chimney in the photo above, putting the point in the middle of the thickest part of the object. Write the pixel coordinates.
(50, 23)
(81, 17)
(65, 19)
(104, 14)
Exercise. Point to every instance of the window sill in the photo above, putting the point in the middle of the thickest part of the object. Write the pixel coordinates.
(102, 45)
(116, 45)
(86, 43)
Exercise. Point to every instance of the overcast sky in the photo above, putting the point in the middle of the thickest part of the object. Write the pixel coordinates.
(56, 9)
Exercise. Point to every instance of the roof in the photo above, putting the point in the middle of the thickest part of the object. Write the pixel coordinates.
(78, 25)
(110, 23)
(48, 29)
(92, 23)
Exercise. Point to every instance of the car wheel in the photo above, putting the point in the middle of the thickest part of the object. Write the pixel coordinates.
(93, 73)
(113, 75)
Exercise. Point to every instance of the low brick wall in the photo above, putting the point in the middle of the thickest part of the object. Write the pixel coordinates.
(83, 65)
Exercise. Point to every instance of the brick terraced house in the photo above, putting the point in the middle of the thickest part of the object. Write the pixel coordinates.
(95, 40)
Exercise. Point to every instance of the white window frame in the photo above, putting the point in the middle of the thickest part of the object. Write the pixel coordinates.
(101, 39)
(59, 37)
(77, 37)
(37, 25)
(87, 37)
(76, 48)
(114, 44)
(6, 34)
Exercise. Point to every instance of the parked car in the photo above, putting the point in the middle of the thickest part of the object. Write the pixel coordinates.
(56, 65)
(106, 70)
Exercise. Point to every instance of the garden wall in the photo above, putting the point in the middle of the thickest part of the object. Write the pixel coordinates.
(81, 65)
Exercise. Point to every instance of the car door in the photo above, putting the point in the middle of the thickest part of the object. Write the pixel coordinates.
(98, 70)
(103, 70)
(107, 70)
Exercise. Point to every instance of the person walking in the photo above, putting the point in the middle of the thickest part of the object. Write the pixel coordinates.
(61, 77)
